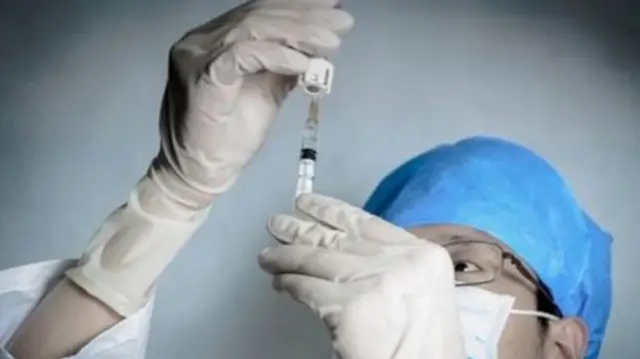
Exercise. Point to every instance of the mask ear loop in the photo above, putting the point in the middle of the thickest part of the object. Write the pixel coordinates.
(532, 278)
(534, 313)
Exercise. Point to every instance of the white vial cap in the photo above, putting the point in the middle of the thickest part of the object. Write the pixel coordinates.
(316, 81)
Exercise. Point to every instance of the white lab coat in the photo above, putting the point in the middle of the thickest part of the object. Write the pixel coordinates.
(21, 288)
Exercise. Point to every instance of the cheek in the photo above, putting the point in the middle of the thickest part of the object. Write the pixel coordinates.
(520, 338)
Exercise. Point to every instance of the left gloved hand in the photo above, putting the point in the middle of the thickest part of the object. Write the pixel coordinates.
(227, 81)
(382, 292)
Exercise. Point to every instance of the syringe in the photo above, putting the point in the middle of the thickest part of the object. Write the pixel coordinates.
(309, 150)
(316, 83)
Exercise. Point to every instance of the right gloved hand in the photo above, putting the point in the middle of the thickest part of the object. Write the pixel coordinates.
(227, 80)
(382, 292)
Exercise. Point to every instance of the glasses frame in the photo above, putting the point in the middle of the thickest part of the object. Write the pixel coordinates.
(516, 262)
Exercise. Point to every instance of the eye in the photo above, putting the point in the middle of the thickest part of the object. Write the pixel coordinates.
(465, 267)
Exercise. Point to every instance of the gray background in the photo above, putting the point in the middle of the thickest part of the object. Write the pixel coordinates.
(80, 88)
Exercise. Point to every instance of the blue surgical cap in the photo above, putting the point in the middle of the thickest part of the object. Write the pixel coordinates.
(507, 191)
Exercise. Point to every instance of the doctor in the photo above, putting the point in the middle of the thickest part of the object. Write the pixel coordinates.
(443, 289)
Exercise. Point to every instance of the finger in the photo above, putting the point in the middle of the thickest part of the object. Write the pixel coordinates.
(326, 291)
(226, 20)
(309, 39)
(323, 297)
(335, 20)
(209, 34)
(322, 263)
(297, 3)
(326, 299)
(291, 230)
(250, 57)
(342, 216)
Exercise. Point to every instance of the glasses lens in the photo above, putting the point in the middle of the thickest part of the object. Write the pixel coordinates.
(475, 262)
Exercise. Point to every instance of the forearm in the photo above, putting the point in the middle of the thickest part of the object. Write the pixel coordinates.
(134, 245)
(66, 320)
(69, 316)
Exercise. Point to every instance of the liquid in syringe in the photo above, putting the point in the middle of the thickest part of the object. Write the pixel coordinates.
(308, 151)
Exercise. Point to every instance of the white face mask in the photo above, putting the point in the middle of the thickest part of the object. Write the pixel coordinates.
(484, 315)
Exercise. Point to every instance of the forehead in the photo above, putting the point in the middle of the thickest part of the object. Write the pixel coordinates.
(444, 233)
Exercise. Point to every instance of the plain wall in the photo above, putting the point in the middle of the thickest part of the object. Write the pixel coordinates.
(81, 83)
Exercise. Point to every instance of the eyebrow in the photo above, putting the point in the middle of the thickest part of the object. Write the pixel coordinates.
(459, 237)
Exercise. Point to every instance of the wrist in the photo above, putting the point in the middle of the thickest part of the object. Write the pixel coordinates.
(158, 197)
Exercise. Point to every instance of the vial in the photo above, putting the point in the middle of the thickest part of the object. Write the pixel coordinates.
(318, 78)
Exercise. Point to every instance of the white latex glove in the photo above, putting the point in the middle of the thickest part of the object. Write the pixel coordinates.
(382, 292)
(227, 80)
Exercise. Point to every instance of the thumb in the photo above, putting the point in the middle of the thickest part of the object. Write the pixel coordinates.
(228, 71)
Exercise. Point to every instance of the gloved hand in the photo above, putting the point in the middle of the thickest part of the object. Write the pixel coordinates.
(382, 292)
(227, 80)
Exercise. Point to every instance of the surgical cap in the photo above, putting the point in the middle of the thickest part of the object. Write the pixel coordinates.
(510, 193)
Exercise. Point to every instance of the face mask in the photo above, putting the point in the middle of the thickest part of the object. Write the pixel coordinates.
(484, 315)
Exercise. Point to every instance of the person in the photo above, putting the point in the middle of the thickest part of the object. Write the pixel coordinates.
(482, 226)
(532, 270)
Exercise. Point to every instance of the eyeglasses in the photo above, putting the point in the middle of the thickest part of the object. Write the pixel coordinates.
(479, 262)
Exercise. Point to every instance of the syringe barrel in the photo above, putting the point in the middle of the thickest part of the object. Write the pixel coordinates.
(306, 174)
(308, 153)
(310, 134)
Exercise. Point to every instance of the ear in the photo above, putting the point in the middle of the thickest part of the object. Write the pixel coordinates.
(566, 339)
